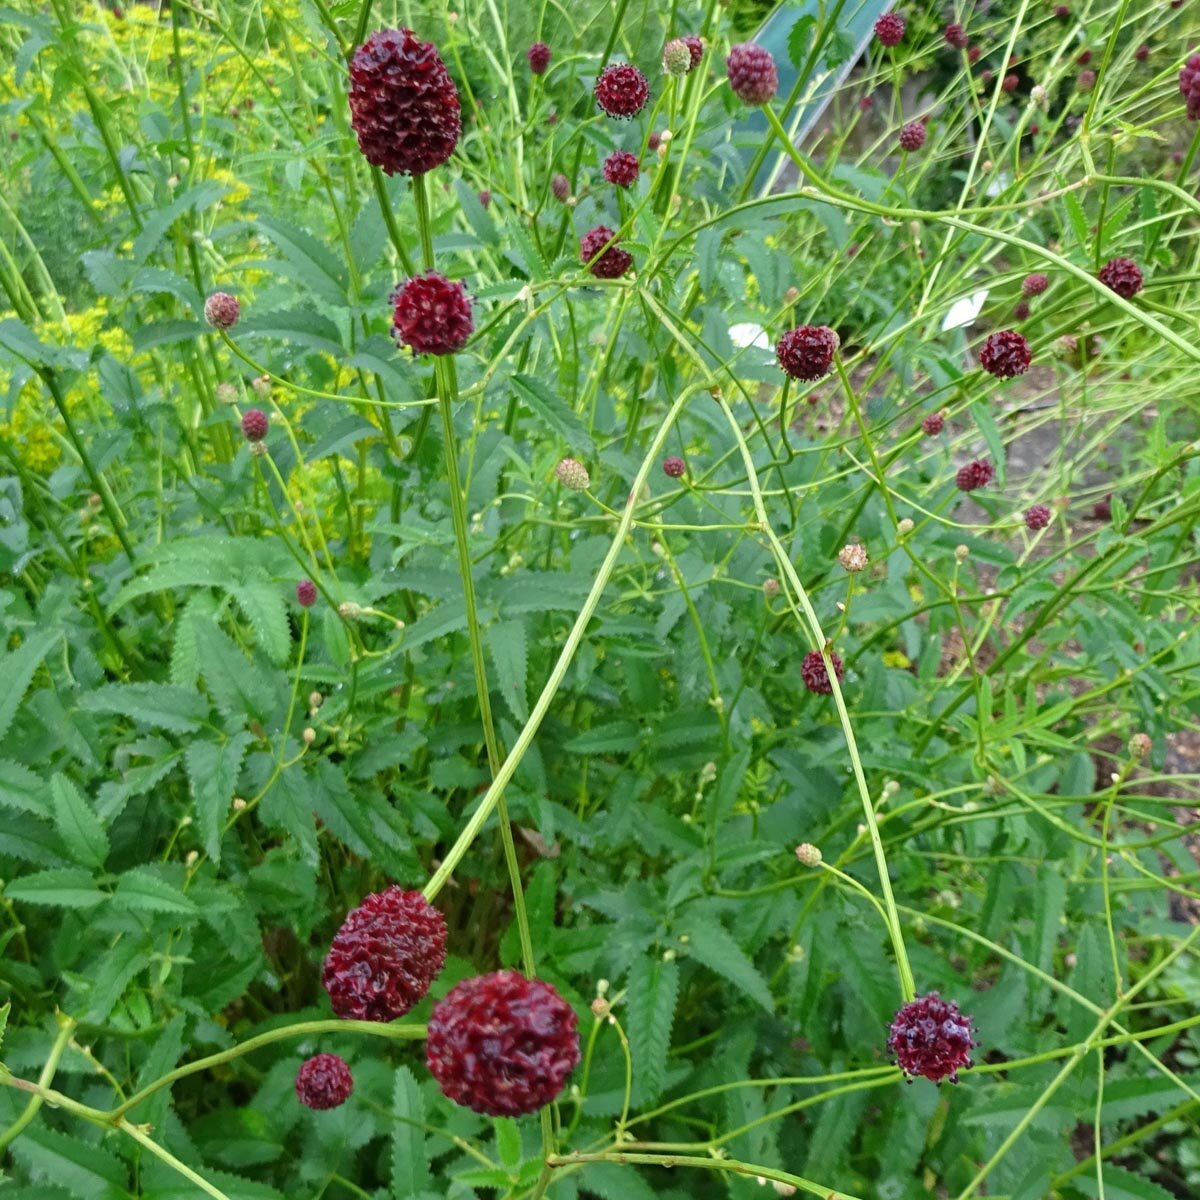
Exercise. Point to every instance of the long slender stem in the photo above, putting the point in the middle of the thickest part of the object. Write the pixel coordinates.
(45, 1079)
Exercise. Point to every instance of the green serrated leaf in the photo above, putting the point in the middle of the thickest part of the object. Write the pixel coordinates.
(236, 687)
(143, 891)
(86, 1172)
(711, 944)
(58, 887)
(410, 1158)
(17, 668)
(650, 1000)
(21, 789)
(213, 769)
(262, 605)
(80, 828)
(158, 705)
(555, 413)
(508, 646)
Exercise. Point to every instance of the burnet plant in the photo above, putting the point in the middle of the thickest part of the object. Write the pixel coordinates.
(609, 353)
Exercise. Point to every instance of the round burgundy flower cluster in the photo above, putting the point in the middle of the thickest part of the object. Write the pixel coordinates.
(1189, 86)
(221, 310)
(539, 58)
(815, 675)
(695, 45)
(933, 424)
(306, 593)
(324, 1081)
(912, 136)
(622, 91)
(931, 1037)
(1037, 516)
(751, 72)
(807, 351)
(674, 467)
(1121, 275)
(501, 1044)
(255, 425)
(1034, 285)
(621, 168)
(955, 35)
(403, 104)
(560, 185)
(974, 475)
(613, 263)
(386, 954)
(1005, 353)
(432, 315)
(889, 29)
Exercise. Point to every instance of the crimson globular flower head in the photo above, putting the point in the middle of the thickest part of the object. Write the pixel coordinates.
(560, 185)
(384, 957)
(621, 168)
(1005, 353)
(695, 45)
(752, 73)
(622, 91)
(502, 1045)
(931, 1037)
(807, 351)
(816, 675)
(1034, 285)
(221, 310)
(1189, 86)
(889, 29)
(612, 263)
(674, 467)
(933, 424)
(324, 1081)
(912, 136)
(306, 593)
(255, 425)
(974, 475)
(539, 57)
(404, 106)
(955, 35)
(1121, 275)
(431, 314)
(1037, 516)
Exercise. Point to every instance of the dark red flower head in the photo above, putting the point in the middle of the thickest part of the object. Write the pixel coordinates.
(622, 90)
(1189, 86)
(221, 310)
(889, 29)
(386, 954)
(306, 593)
(955, 35)
(1122, 275)
(1005, 353)
(674, 467)
(752, 74)
(815, 674)
(432, 315)
(1034, 285)
(324, 1081)
(974, 475)
(695, 47)
(613, 263)
(1021, 312)
(1086, 80)
(1102, 509)
(255, 425)
(912, 136)
(539, 57)
(1062, 11)
(560, 185)
(1142, 52)
(930, 1036)
(933, 424)
(403, 104)
(621, 168)
(1009, 82)
(807, 351)
(1037, 517)
(502, 1044)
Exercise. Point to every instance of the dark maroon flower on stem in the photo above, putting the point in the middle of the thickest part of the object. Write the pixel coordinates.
(1189, 86)
(1084, 57)
(560, 185)
(674, 467)
(324, 1081)
(1122, 275)
(1037, 517)
(1005, 353)
(221, 310)
(1086, 80)
(306, 593)
(613, 263)
(1021, 312)
(931, 1037)
(1102, 509)
(653, 141)
(502, 1045)
(485, 199)
(955, 35)
(933, 424)
(1062, 12)
(386, 954)
(1142, 52)
(1009, 83)
(539, 57)
(621, 168)
(889, 29)
(622, 90)
(752, 74)
(807, 351)
(866, 103)
(403, 104)
(695, 45)
(431, 314)
(815, 674)
(1034, 285)
(973, 54)
(255, 425)
(974, 475)
(912, 136)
